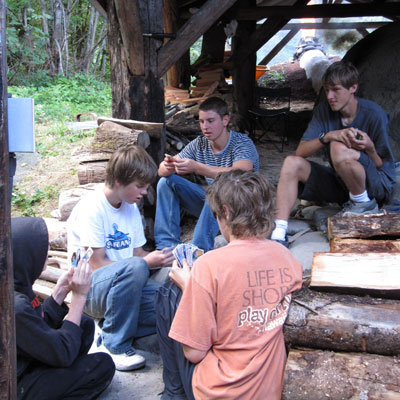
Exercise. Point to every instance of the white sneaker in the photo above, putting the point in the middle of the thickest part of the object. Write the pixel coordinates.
(124, 362)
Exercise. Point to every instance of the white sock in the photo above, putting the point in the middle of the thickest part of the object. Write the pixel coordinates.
(279, 233)
(360, 198)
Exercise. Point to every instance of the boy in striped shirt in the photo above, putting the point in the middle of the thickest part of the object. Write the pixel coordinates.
(216, 150)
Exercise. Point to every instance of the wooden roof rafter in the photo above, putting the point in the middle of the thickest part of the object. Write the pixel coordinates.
(198, 24)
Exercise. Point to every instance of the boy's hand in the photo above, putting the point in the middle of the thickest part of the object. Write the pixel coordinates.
(169, 164)
(180, 276)
(185, 166)
(62, 287)
(159, 258)
(361, 141)
(80, 281)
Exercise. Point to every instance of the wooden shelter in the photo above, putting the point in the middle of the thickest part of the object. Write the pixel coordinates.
(148, 41)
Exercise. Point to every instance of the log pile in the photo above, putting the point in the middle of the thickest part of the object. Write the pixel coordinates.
(343, 335)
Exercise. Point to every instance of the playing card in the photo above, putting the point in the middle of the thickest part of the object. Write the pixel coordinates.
(187, 251)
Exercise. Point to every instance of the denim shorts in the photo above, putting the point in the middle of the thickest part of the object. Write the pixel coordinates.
(325, 186)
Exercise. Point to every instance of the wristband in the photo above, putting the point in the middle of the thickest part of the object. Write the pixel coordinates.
(321, 138)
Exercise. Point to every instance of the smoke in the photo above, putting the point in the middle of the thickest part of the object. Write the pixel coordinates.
(341, 41)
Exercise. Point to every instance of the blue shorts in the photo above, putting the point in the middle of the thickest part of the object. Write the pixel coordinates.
(325, 186)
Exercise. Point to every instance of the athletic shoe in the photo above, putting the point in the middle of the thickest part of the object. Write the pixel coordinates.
(354, 208)
(127, 361)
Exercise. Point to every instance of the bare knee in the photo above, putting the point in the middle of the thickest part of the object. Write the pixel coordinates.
(296, 167)
(340, 153)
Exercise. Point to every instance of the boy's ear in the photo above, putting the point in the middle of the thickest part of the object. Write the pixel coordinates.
(225, 120)
(353, 88)
(226, 211)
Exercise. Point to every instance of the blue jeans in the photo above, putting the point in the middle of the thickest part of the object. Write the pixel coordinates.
(122, 294)
(174, 192)
(177, 370)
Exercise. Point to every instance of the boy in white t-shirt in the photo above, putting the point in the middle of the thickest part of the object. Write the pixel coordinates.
(110, 223)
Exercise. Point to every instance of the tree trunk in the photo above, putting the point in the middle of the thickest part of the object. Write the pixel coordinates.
(343, 323)
(8, 371)
(45, 28)
(316, 375)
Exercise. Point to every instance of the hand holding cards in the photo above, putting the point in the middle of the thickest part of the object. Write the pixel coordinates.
(189, 251)
(81, 253)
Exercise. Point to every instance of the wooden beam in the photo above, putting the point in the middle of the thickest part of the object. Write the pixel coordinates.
(335, 25)
(288, 37)
(261, 35)
(339, 245)
(8, 370)
(131, 33)
(318, 11)
(190, 32)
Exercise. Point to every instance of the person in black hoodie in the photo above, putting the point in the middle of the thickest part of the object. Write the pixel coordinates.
(53, 340)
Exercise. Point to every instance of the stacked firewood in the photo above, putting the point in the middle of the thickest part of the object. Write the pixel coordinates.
(343, 335)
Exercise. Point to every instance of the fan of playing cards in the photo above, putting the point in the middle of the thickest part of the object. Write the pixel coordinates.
(188, 251)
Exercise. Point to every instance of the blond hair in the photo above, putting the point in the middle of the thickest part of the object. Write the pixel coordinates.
(247, 198)
(129, 164)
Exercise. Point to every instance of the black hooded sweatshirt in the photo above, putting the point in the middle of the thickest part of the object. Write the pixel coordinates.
(42, 335)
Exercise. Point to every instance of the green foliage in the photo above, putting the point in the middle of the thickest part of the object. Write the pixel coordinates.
(195, 50)
(25, 203)
(60, 99)
(272, 78)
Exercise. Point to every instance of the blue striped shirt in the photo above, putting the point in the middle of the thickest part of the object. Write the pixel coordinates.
(239, 147)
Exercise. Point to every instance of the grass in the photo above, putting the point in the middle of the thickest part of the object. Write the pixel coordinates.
(56, 103)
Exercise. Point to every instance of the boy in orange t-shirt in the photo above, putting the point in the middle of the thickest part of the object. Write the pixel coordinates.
(227, 313)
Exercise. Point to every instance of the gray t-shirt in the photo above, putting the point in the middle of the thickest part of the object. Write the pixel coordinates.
(370, 118)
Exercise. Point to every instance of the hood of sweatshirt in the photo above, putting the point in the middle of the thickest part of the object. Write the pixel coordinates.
(30, 241)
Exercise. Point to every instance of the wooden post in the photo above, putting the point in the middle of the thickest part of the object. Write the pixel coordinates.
(7, 328)
(244, 71)
(178, 75)
(137, 94)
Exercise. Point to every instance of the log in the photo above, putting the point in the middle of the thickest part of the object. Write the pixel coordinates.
(364, 226)
(44, 289)
(343, 323)
(377, 273)
(316, 375)
(93, 172)
(154, 129)
(51, 274)
(339, 245)
(69, 198)
(111, 136)
(57, 233)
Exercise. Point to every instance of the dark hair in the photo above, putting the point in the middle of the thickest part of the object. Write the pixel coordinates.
(247, 197)
(341, 73)
(129, 164)
(215, 104)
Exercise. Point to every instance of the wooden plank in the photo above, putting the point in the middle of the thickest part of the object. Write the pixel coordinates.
(364, 226)
(317, 374)
(339, 245)
(154, 129)
(343, 323)
(334, 25)
(198, 24)
(374, 271)
(131, 34)
(317, 11)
